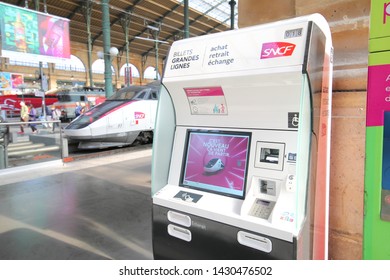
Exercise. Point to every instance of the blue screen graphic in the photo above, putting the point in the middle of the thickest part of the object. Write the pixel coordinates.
(386, 153)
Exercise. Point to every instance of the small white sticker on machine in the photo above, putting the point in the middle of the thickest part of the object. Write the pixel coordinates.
(206, 101)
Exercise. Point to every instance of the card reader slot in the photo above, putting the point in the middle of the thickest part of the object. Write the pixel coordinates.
(254, 241)
(179, 232)
(267, 187)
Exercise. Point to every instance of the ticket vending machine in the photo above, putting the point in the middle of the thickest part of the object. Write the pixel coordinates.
(241, 149)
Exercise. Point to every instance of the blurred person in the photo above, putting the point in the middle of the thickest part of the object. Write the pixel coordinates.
(78, 109)
(55, 116)
(33, 117)
(45, 116)
(24, 117)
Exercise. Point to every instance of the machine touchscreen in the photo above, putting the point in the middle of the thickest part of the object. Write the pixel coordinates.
(216, 161)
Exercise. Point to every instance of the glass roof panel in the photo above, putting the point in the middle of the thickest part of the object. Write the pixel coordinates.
(218, 9)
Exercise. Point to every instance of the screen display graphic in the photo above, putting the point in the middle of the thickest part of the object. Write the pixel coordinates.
(216, 162)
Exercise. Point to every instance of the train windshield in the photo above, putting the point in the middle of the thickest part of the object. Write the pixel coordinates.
(70, 98)
(132, 92)
(95, 113)
(77, 94)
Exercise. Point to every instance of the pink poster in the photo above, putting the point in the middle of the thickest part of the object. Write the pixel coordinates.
(217, 162)
(54, 36)
(378, 94)
(17, 80)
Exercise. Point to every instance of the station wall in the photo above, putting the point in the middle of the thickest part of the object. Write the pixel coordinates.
(140, 62)
(80, 50)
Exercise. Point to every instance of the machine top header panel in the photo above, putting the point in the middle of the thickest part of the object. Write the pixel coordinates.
(281, 44)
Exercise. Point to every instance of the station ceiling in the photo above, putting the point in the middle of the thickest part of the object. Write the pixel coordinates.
(167, 15)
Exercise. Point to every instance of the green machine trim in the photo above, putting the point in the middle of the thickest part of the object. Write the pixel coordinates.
(376, 243)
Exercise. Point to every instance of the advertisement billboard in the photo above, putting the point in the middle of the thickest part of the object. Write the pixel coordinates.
(28, 34)
(9, 81)
(5, 81)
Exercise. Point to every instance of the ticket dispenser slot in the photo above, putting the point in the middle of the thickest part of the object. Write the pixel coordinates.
(179, 232)
(254, 241)
(269, 155)
(179, 219)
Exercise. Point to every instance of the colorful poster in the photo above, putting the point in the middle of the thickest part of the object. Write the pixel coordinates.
(5, 81)
(17, 80)
(216, 162)
(377, 160)
(378, 97)
(20, 29)
(380, 19)
(54, 37)
(28, 34)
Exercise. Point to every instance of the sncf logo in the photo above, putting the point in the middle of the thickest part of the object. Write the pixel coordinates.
(276, 49)
(139, 115)
(386, 11)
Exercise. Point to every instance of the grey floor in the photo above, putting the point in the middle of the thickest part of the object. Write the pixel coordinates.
(99, 209)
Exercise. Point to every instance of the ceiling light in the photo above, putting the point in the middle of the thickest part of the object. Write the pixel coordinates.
(152, 40)
(153, 27)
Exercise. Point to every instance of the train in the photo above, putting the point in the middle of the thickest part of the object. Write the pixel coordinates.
(70, 97)
(125, 118)
(10, 103)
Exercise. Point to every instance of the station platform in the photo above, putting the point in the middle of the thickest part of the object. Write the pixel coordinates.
(91, 209)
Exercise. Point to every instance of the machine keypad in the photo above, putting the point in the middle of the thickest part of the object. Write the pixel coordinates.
(262, 208)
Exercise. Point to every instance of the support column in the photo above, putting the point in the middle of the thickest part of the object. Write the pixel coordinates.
(232, 4)
(87, 10)
(36, 4)
(106, 47)
(44, 6)
(186, 20)
(125, 21)
(156, 48)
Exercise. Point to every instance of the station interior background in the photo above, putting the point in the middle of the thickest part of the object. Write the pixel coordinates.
(144, 22)
(349, 23)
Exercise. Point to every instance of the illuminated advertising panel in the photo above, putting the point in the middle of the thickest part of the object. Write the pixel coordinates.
(9, 81)
(5, 81)
(17, 80)
(27, 34)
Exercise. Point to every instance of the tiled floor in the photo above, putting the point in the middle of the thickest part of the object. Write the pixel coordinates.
(92, 209)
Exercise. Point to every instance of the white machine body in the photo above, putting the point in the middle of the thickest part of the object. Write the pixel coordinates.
(236, 142)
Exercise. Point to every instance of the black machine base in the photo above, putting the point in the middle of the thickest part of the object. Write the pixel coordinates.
(210, 240)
